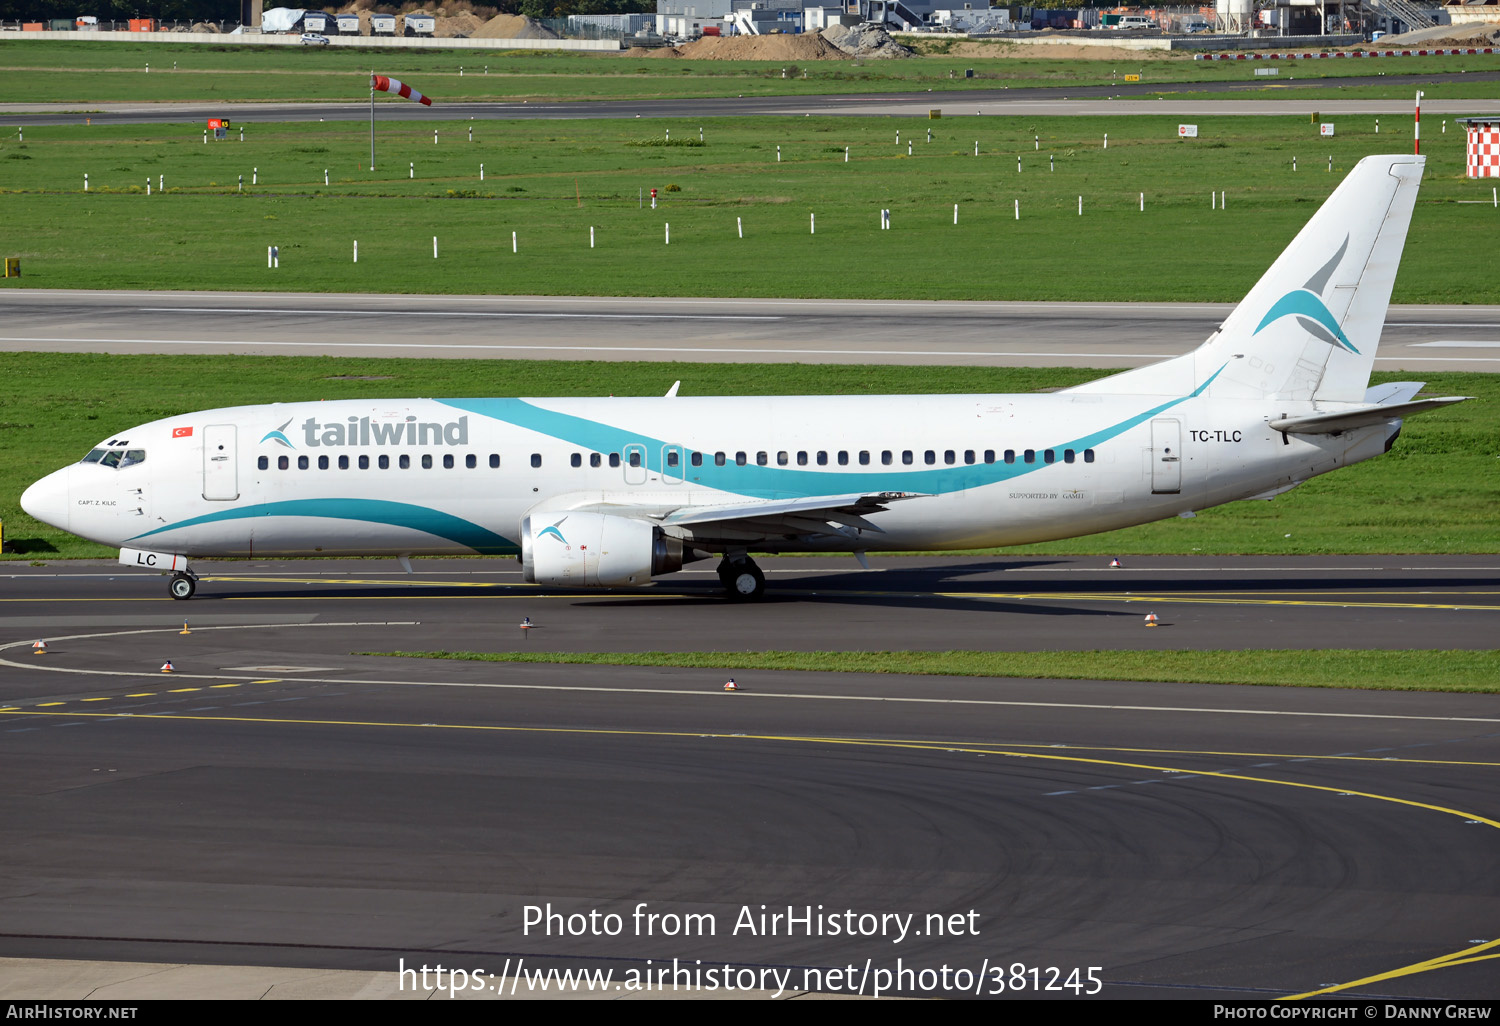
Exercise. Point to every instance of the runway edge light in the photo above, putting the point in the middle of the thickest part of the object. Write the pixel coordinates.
(166, 667)
(40, 648)
(1151, 620)
(730, 685)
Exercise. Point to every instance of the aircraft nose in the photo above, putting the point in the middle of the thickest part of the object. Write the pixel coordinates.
(49, 500)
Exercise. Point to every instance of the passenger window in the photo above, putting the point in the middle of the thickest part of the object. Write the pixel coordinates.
(864, 457)
(322, 462)
(906, 457)
(929, 457)
(843, 457)
(536, 459)
(1049, 456)
(719, 460)
(948, 457)
(989, 455)
(427, 462)
(448, 461)
(283, 463)
(301, 462)
(384, 462)
(885, 457)
(595, 460)
(1030, 456)
(739, 459)
(343, 463)
(404, 462)
(614, 459)
(263, 463)
(781, 458)
(576, 459)
(364, 463)
(822, 458)
(760, 459)
(1010, 455)
(697, 459)
(471, 461)
(635, 459)
(1088, 455)
(969, 456)
(801, 459)
(1069, 455)
(672, 460)
(494, 461)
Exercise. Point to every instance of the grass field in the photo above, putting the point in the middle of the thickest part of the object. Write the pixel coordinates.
(1436, 491)
(551, 182)
(86, 73)
(1461, 671)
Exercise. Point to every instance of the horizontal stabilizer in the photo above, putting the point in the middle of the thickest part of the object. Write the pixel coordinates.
(1364, 416)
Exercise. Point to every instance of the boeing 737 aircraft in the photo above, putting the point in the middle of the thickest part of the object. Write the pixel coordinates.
(611, 492)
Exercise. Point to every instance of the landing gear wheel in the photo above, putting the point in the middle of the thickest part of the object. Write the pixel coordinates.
(742, 581)
(183, 586)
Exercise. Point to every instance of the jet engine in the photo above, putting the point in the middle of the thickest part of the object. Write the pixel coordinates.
(596, 550)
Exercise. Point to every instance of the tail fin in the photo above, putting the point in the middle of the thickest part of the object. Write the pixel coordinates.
(1309, 328)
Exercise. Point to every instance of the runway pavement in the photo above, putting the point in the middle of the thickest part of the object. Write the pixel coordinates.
(280, 800)
(1110, 335)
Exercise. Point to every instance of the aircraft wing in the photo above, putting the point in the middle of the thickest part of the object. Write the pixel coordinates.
(751, 518)
(1363, 416)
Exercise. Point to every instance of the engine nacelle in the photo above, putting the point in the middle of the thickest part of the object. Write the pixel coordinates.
(595, 550)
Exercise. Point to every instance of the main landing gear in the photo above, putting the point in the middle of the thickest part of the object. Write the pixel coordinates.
(183, 585)
(742, 579)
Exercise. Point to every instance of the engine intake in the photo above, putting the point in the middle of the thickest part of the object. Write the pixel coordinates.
(596, 550)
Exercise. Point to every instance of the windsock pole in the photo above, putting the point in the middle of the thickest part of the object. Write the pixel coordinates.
(372, 119)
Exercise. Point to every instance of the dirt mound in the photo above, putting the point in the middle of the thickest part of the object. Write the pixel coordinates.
(1479, 35)
(806, 47)
(203, 26)
(864, 41)
(512, 26)
(459, 25)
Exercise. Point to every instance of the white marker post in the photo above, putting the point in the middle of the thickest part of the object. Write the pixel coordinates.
(591, 236)
(411, 170)
(434, 247)
(778, 154)
(205, 137)
(513, 248)
(1018, 163)
(471, 133)
(955, 213)
(1038, 140)
(1106, 140)
(161, 183)
(434, 137)
(846, 154)
(85, 181)
(976, 147)
(241, 184)
(268, 258)
(667, 226)
(356, 251)
(255, 176)
(1018, 210)
(481, 172)
(1051, 162)
(1294, 163)
(148, 185)
(1080, 206)
(325, 176)
(242, 133)
(739, 226)
(908, 147)
(1143, 202)
(812, 224)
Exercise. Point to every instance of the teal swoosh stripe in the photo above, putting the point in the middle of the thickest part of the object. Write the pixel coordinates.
(1310, 305)
(780, 482)
(374, 511)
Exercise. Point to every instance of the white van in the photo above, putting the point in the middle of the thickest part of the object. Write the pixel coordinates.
(1136, 21)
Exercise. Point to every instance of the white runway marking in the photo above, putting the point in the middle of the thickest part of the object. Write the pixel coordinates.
(1457, 345)
(464, 313)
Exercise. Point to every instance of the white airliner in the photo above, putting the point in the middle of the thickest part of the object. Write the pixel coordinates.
(610, 492)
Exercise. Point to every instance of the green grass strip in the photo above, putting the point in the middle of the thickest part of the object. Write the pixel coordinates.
(1405, 670)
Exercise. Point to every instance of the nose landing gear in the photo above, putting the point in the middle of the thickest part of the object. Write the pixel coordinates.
(183, 585)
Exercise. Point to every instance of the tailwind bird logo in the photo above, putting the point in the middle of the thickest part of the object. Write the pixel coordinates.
(279, 437)
(552, 530)
(1306, 304)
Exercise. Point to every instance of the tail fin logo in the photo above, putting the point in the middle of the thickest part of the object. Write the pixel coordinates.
(552, 530)
(1306, 304)
(279, 436)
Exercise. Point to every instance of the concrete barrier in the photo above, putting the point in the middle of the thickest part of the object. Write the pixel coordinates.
(365, 42)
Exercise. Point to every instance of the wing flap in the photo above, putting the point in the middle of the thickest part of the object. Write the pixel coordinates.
(1364, 416)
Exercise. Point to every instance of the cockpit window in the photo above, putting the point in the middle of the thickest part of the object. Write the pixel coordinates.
(116, 459)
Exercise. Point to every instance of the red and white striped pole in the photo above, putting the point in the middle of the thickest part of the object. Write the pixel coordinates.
(1417, 127)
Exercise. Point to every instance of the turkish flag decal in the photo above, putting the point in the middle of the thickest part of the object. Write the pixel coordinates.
(186, 432)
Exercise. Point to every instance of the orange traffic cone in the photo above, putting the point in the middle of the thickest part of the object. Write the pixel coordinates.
(166, 667)
(1150, 619)
(1115, 564)
(730, 685)
(40, 648)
